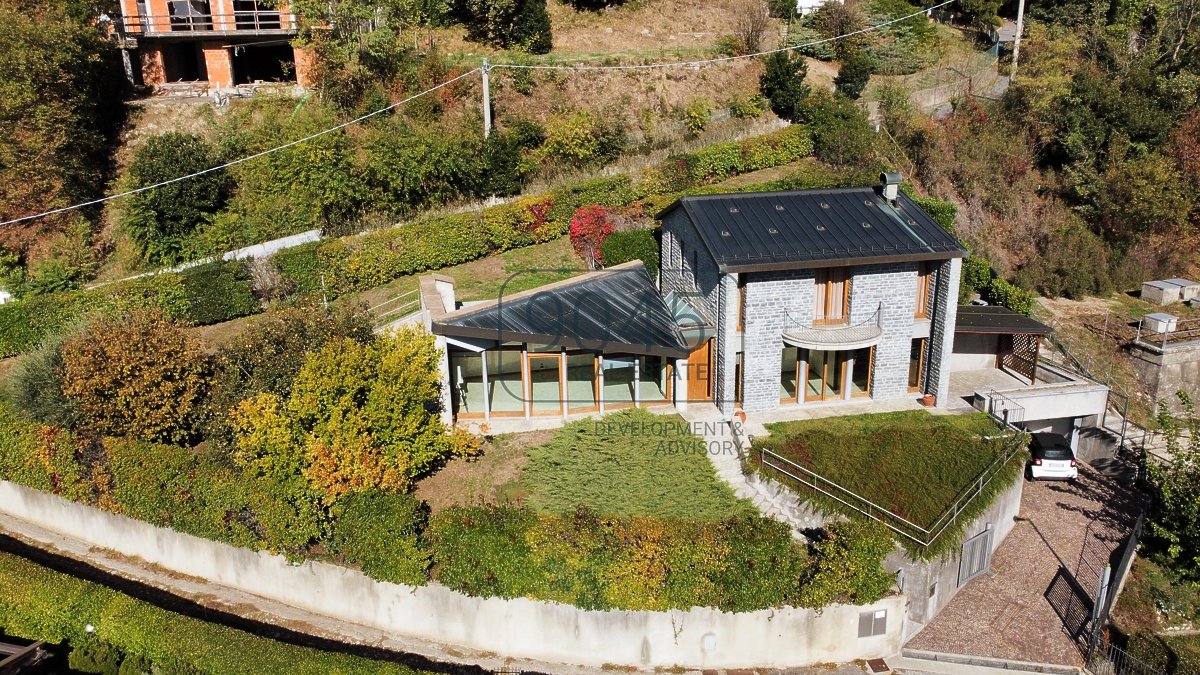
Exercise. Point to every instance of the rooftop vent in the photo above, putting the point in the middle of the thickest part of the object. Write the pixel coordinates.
(891, 185)
(866, 225)
(772, 230)
(824, 205)
(820, 228)
(725, 233)
(779, 207)
(733, 209)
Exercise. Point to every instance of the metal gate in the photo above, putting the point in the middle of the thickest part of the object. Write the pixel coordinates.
(976, 556)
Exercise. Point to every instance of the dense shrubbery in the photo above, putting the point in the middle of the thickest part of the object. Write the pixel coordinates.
(841, 134)
(338, 266)
(602, 563)
(369, 260)
(783, 83)
(218, 292)
(381, 533)
(160, 221)
(359, 417)
(139, 375)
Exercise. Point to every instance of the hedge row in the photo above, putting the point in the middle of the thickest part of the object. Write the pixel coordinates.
(202, 295)
(39, 603)
(606, 563)
(360, 262)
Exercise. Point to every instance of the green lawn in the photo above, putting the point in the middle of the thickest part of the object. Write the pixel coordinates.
(630, 463)
(911, 463)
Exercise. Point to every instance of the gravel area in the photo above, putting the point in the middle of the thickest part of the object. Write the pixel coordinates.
(1033, 603)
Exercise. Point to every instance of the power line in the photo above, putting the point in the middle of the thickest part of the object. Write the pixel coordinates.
(240, 160)
(722, 59)
(343, 125)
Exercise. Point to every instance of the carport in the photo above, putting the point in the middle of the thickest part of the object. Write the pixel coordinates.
(997, 337)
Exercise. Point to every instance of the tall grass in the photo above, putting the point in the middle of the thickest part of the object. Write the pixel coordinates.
(912, 463)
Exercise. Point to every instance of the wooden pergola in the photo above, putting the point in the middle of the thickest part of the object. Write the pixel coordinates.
(1020, 336)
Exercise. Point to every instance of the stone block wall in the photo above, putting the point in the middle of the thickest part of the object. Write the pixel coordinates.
(943, 316)
(772, 299)
(687, 267)
(892, 291)
(777, 300)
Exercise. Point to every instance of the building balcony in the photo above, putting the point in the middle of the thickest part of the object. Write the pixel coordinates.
(829, 337)
(192, 24)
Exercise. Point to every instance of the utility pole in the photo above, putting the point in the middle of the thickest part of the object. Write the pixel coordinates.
(1016, 40)
(487, 99)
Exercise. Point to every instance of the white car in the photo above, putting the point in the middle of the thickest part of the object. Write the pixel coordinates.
(1051, 458)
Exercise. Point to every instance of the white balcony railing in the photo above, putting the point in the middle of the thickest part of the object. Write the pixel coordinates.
(826, 337)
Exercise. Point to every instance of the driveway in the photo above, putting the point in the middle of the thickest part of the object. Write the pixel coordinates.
(1033, 604)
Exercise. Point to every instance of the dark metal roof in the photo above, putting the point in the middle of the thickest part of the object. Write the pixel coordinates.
(613, 310)
(993, 319)
(758, 231)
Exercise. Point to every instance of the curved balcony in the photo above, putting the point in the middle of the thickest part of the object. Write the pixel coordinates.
(866, 333)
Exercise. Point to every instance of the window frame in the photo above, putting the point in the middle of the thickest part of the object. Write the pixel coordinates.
(924, 288)
(827, 277)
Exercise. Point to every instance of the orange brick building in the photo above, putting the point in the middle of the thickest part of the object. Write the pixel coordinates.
(222, 42)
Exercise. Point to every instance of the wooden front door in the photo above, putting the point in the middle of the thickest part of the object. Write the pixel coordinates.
(699, 373)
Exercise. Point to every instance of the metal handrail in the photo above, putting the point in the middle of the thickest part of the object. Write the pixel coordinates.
(391, 300)
(259, 20)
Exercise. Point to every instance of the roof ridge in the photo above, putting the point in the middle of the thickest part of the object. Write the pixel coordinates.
(553, 286)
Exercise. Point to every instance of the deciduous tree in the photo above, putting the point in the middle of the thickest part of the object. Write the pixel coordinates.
(143, 376)
(359, 417)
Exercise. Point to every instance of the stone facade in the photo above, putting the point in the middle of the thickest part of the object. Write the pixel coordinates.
(779, 300)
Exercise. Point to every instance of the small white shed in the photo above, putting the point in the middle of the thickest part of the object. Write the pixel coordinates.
(1169, 291)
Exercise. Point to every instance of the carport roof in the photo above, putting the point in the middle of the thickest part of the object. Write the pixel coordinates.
(993, 319)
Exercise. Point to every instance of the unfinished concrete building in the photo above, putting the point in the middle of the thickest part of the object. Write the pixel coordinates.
(218, 44)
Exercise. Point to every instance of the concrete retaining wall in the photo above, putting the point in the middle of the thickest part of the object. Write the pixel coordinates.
(521, 628)
(930, 585)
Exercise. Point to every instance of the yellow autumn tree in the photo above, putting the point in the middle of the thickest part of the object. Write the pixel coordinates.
(359, 417)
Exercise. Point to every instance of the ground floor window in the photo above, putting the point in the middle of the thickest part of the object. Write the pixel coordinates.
(512, 381)
(860, 371)
(818, 375)
(916, 364)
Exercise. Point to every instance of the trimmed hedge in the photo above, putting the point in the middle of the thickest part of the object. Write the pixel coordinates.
(607, 563)
(202, 295)
(365, 261)
(39, 603)
(621, 247)
(218, 292)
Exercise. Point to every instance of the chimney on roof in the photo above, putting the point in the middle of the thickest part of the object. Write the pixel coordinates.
(891, 185)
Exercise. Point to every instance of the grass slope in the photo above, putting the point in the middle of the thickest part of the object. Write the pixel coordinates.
(630, 463)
